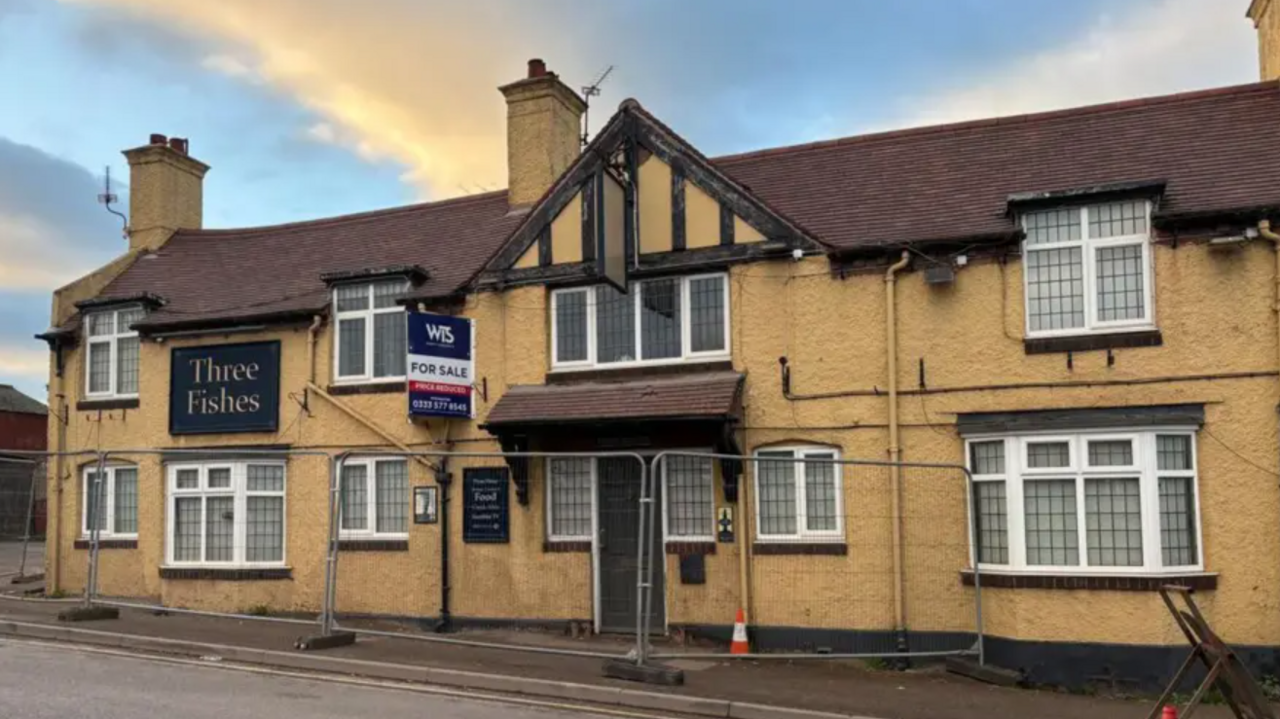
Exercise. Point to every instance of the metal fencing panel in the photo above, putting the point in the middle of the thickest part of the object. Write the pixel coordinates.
(829, 557)
(22, 516)
(519, 550)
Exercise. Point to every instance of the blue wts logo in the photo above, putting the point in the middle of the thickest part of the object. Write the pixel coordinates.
(440, 333)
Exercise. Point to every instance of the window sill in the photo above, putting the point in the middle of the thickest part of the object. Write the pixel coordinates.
(391, 387)
(107, 544)
(1091, 582)
(89, 405)
(229, 574)
(1088, 342)
(566, 547)
(694, 547)
(373, 545)
(800, 548)
(657, 369)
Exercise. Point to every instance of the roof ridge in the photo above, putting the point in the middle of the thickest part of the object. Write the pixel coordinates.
(963, 125)
(343, 219)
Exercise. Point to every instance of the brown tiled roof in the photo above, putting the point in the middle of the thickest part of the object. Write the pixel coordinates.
(11, 400)
(944, 183)
(953, 181)
(262, 273)
(697, 396)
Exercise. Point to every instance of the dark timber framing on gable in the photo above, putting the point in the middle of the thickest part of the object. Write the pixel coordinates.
(633, 124)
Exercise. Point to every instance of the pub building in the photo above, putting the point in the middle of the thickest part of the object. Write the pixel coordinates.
(1078, 306)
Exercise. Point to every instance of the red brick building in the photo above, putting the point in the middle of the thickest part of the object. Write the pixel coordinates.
(23, 426)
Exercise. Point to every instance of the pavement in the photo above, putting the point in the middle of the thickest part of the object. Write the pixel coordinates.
(58, 682)
(775, 688)
(11, 559)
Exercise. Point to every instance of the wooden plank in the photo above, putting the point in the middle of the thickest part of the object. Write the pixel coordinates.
(726, 224)
(544, 247)
(677, 207)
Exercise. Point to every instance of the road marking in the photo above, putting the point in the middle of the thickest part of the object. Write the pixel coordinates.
(218, 663)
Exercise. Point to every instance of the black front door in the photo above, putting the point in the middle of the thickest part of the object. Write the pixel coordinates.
(619, 480)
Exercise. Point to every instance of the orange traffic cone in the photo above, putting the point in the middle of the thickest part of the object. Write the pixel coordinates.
(1169, 712)
(739, 645)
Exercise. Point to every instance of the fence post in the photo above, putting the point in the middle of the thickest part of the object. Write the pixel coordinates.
(93, 513)
(977, 571)
(327, 609)
(31, 510)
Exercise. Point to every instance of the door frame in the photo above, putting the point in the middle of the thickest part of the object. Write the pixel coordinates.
(661, 527)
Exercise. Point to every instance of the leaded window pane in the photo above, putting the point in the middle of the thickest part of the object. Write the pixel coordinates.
(264, 529)
(660, 319)
(264, 478)
(706, 310)
(615, 326)
(690, 502)
(1051, 529)
(351, 360)
(1113, 522)
(219, 529)
(1111, 453)
(1053, 226)
(1118, 219)
(220, 478)
(188, 479)
(352, 298)
(820, 492)
(987, 457)
(126, 501)
(571, 326)
(776, 475)
(1048, 454)
(1055, 288)
(389, 344)
(1173, 452)
(126, 319)
(385, 293)
(993, 522)
(99, 367)
(1120, 289)
(392, 496)
(355, 497)
(127, 365)
(1177, 522)
(571, 497)
(186, 529)
(95, 498)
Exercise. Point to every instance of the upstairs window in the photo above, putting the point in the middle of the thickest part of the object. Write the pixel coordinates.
(371, 330)
(665, 321)
(1088, 269)
(111, 353)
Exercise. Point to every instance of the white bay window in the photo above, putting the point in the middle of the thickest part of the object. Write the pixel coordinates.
(226, 514)
(1088, 503)
(1088, 269)
(370, 337)
(660, 321)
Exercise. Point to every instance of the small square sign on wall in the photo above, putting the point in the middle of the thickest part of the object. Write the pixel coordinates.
(425, 505)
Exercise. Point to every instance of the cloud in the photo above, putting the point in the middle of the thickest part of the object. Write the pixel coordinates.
(398, 81)
(1153, 48)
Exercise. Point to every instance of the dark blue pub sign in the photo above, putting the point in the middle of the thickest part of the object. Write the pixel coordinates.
(225, 388)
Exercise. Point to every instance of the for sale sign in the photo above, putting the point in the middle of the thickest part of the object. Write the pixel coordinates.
(441, 365)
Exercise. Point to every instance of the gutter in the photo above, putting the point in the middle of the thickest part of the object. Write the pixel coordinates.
(895, 449)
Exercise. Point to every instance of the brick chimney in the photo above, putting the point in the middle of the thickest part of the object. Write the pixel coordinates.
(544, 127)
(1266, 18)
(166, 191)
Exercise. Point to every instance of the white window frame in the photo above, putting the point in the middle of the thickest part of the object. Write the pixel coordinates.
(686, 328)
(112, 340)
(367, 314)
(1089, 247)
(238, 490)
(595, 504)
(370, 532)
(803, 533)
(108, 499)
(710, 536)
(1145, 468)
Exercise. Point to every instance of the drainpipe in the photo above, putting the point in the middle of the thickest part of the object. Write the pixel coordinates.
(54, 518)
(311, 346)
(444, 480)
(895, 449)
(1264, 229)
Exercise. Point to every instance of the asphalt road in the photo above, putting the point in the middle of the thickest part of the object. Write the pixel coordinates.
(11, 558)
(39, 681)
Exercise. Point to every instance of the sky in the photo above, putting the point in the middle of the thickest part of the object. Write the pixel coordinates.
(311, 108)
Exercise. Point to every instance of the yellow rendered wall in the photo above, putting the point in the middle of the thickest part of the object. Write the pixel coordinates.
(1213, 309)
(566, 233)
(701, 218)
(655, 206)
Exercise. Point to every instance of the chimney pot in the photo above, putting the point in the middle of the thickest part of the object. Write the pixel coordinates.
(537, 68)
(158, 139)
(179, 144)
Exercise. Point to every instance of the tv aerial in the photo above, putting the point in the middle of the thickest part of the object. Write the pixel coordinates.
(588, 92)
(106, 197)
